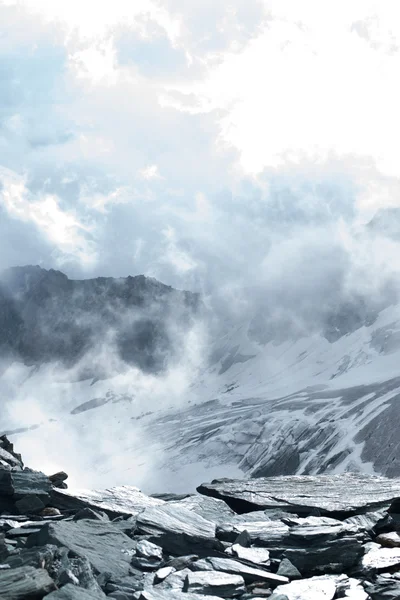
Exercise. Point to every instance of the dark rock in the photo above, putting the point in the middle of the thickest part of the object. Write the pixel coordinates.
(24, 583)
(336, 495)
(72, 592)
(50, 511)
(89, 513)
(287, 569)
(383, 588)
(244, 539)
(210, 583)
(42, 557)
(106, 548)
(57, 477)
(31, 483)
(29, 505)
(6, 483)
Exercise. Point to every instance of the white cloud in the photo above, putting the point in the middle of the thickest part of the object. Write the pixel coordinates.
(61, 228)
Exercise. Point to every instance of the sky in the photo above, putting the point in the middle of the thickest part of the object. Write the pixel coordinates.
(213, 144)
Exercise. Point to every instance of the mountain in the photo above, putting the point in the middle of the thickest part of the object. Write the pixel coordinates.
(254, 398)
(45, 317)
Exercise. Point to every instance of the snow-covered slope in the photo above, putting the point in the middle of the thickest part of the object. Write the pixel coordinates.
(302, 406)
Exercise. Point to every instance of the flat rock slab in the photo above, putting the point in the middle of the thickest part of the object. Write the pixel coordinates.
(178, 530)
(330, 494)
(106, 547)
(207, 507)
(315, 588)
(209, 583)
(24, 583)
(122, 500)
(72, 592)
(382, 559)
(156, 594)
(234, 567)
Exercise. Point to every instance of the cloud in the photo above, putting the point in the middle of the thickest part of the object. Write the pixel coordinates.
(61, 228)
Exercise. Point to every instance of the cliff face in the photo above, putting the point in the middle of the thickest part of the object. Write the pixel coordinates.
(44, 316)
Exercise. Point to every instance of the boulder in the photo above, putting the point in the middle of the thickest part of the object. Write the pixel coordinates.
(336, 495)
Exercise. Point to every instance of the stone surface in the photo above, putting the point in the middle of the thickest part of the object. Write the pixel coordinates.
(330, 494)
(106, 548)
(123, 500)
(24, 583)
(211, 583)
(178, 530)
(249, 574)
(256, 556)
(72, 592)
(316, 588)
(389, 540)
(382, 559)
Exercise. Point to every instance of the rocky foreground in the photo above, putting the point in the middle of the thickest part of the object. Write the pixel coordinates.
(282, 538)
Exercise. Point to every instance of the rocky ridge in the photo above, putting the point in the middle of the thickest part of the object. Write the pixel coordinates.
(282, 538)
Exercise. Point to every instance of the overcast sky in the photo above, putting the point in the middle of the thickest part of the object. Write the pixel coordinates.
(197, 141)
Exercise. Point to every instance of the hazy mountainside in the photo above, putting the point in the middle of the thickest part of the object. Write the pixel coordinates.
(44, 316)
(262, 397)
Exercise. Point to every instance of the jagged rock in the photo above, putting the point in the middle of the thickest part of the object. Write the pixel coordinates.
(123, 500)
(178, 530)
(89, 513)
(72, 592)
(243, 539)
(316, 588)
(331, 494)
(287, 569)
(383, 588)
(6, 483)
(234, 567)
(226, 586)
(41, 557)
(350, 588)
(24, 583)
(106, 548)
(148, 555)
(311, 543)
(7, 453)
(389, 540)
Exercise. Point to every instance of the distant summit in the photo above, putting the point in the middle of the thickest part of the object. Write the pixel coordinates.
(45, 316)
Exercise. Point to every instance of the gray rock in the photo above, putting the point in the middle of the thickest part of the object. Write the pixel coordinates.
(234, 567)
(381, 560)
(24, 583)
(178, 530)
(211, 509)
(159, 594)
(89, 513)
(31, 483)
(72, 592)
(163, 574)
(312, 544)
(383, 588)
(287, 569)
(316, 588)
(389, 540)
(106, 548)
(255, 556)
(123, 500)
(210, 583)
(33, 557)
(343, 494)
(29, 504)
